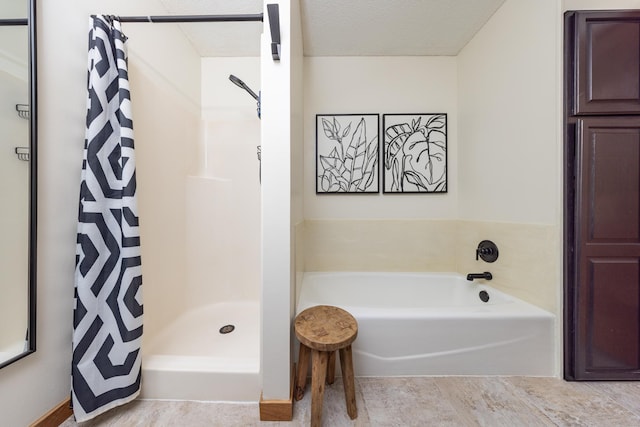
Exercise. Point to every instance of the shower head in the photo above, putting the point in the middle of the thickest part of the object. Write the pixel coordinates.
(236, 81)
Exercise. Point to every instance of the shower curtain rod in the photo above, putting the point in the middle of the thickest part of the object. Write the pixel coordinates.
(272, 9)
(9, 22)
(257, 17)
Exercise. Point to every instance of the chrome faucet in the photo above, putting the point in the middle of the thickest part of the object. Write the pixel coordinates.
(486, 276)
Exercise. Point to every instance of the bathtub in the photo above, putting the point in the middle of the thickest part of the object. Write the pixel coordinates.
(435, 324)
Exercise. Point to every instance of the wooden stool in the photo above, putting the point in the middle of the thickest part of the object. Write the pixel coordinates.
(322, 330)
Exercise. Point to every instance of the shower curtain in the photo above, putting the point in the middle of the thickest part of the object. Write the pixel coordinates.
(107, 320)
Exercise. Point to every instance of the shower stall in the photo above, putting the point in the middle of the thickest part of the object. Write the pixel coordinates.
(199, 204)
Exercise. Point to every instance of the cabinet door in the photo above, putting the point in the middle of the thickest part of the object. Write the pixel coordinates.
(607, 297)
(607, 63)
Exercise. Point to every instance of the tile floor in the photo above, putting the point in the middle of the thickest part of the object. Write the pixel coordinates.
(416, 401)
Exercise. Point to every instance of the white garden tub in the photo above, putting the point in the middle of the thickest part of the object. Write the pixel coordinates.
(435, 324)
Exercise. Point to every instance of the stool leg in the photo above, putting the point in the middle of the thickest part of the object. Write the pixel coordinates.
(331, 368)
(346, 364)
(318, 374)
(303, 368)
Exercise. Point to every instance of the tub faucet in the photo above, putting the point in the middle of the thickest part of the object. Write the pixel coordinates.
(486, 276)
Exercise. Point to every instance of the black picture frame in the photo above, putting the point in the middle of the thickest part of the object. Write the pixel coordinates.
(414, 158)
(347, 153)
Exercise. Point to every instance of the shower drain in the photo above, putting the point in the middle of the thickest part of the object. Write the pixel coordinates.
(227, 329)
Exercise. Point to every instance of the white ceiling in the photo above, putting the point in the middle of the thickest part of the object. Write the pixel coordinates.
(345, 27)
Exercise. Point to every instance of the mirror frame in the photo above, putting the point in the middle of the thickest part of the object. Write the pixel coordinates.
(33, 186)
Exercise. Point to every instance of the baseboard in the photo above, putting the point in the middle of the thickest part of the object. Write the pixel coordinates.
(278, 410)
(55, 416)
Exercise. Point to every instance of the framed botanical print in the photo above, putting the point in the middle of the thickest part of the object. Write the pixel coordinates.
(347, 151)
(414, 153)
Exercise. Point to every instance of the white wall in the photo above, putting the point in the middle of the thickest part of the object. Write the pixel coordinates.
(278, 206)
(380, 85)
(34, 385)
(508, 158)
(222, 101)
(224, 244)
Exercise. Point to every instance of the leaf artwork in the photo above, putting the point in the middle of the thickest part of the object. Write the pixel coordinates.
(415, 153)
(347, 161)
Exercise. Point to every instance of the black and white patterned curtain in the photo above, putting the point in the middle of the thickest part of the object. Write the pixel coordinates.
(107, 317)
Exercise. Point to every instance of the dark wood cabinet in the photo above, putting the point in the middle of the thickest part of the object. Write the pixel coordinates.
(602, 196)
(607, 330)
(607, 63)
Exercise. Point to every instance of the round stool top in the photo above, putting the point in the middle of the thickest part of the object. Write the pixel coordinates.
(325, 328)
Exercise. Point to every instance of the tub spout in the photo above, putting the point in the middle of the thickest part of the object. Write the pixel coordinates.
(486, 276)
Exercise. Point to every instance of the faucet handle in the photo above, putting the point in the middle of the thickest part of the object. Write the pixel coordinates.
(487, 250)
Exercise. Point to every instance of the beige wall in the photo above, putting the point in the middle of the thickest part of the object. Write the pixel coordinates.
(380, 245)
(526, 268)
(529, 263)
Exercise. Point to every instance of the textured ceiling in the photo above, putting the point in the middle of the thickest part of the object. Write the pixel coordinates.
(392, 27)
(220, 38)
(345, 28)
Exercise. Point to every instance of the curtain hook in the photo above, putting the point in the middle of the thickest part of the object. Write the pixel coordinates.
(149, 19)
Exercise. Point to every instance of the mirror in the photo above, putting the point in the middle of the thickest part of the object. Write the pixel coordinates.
(17, 180)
